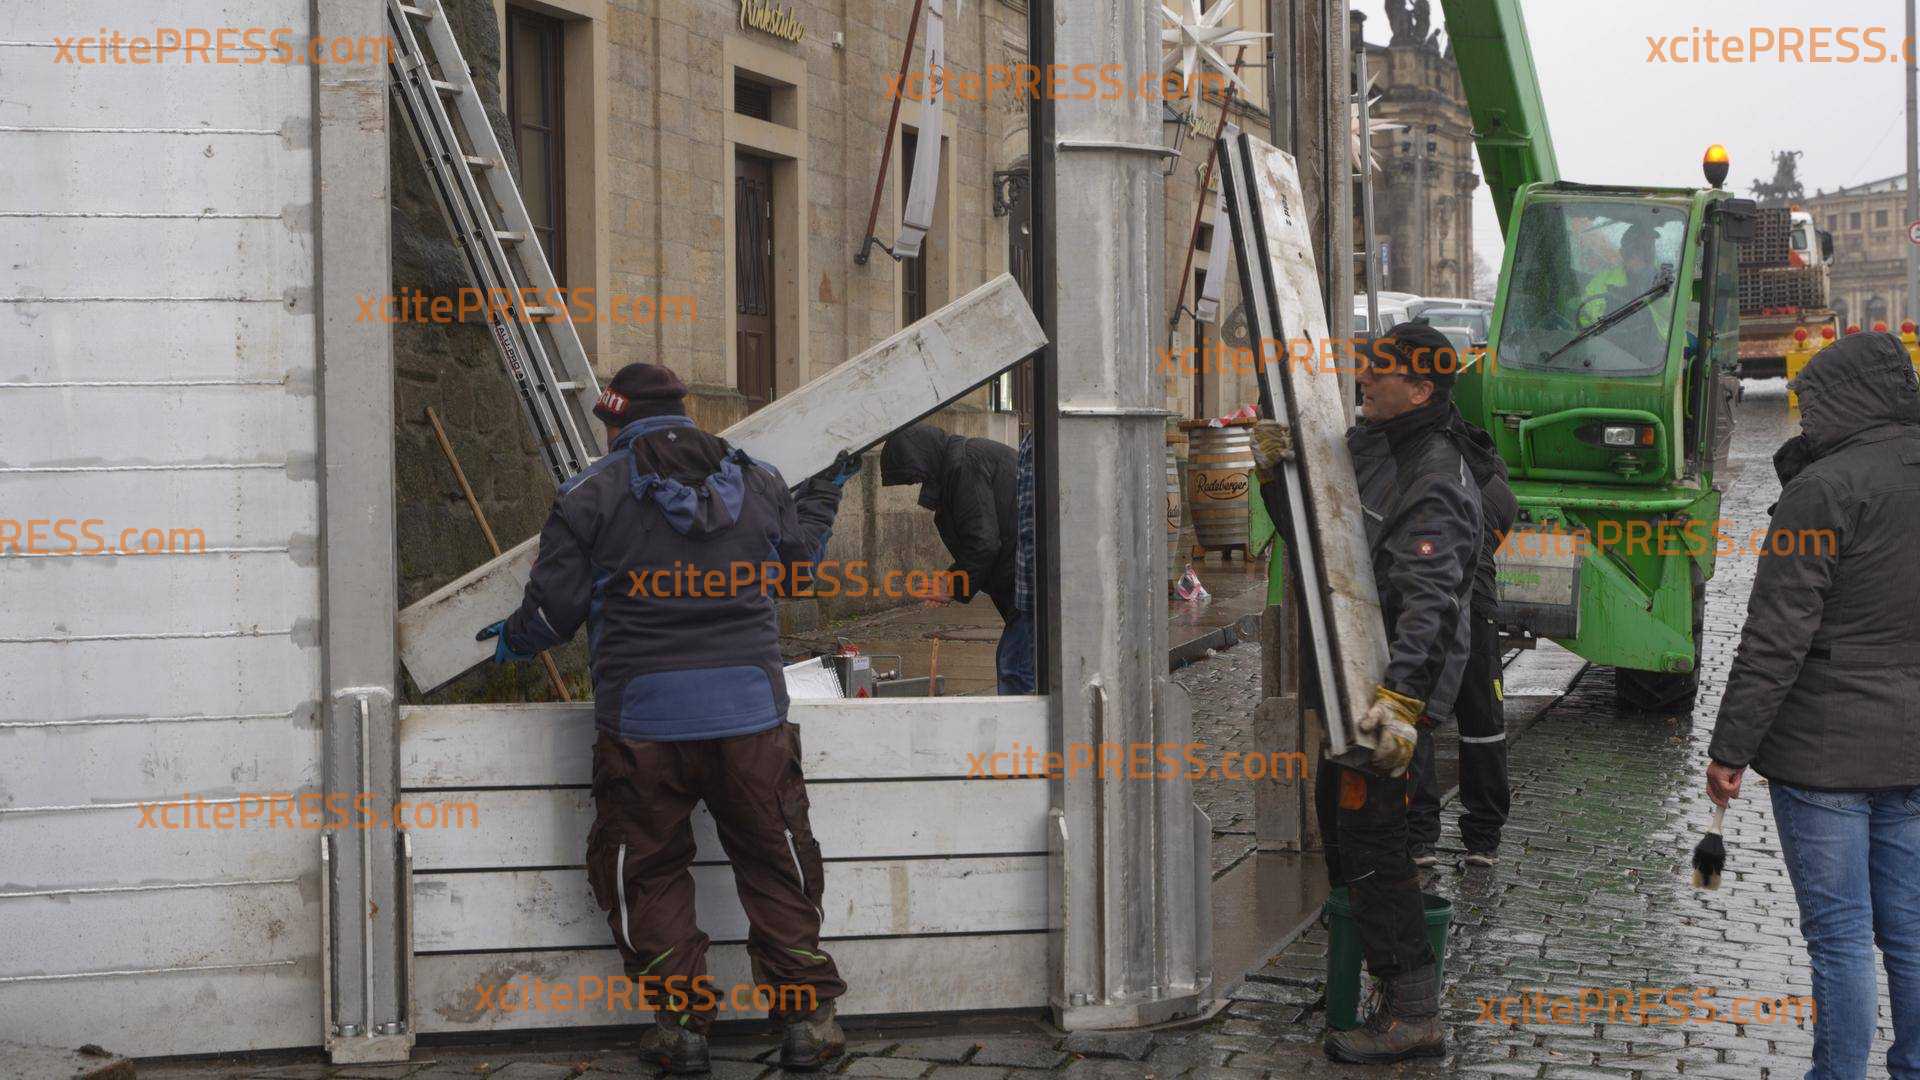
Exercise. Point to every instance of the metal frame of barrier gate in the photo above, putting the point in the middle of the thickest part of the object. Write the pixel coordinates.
(1087, 895)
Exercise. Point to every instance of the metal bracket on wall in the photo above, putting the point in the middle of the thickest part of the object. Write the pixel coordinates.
(405, 1025)
(366, 1041)
(330, 1026)
(872, 242)
(1011, 187)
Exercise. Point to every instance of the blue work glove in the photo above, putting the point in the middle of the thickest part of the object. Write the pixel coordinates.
(845, 466)
(503, 649)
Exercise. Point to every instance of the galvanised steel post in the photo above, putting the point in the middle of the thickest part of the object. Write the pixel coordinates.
(365, 1001)
(1130, 887)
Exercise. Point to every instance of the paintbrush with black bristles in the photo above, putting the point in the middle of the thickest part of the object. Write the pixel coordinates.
(1710, 857)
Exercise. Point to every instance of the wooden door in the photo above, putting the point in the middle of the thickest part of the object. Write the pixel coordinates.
(753, 279)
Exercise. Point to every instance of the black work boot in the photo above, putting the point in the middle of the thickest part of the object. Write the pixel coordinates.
(1405, 1024)
(673, 1046)
(812, 1040)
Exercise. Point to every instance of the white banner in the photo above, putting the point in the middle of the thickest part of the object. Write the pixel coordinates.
(917, 218)
(1206, 306)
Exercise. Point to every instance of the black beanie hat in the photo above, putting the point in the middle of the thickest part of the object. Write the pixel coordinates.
(1419, 350)
(639, 391)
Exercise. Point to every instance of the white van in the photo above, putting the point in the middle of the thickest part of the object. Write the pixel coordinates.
(1393, 309)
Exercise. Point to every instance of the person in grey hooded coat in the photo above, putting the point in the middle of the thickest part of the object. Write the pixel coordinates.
(1823, 698)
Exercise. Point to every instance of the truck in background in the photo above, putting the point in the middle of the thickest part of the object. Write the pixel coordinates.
(1783, 289)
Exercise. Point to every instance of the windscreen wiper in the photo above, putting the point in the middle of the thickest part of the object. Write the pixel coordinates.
(1620, 314)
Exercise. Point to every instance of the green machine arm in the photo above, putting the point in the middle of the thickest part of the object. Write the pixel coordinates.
(1489, 41)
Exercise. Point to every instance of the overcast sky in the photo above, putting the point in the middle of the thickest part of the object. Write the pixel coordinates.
(1617, 117)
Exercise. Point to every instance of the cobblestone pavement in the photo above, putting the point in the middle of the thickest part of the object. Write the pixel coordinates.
(1225, 690)
(1591, 895)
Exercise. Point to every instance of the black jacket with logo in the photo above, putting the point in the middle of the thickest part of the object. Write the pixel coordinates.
(1423, 524)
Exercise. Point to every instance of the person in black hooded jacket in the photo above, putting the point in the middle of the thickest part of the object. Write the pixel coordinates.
(1823, 698)
(971, 486)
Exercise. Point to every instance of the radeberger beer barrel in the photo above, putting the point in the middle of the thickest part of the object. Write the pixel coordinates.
(1219, 475)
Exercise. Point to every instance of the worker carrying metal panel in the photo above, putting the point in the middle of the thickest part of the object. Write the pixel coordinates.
(1423, 522)
(673, 549)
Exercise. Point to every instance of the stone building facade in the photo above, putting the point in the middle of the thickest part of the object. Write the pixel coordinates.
(1424, 185)
(716, 158)
(1869, 227)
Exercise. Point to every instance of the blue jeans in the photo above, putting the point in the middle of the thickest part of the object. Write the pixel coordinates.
(1854, 858)
(1013, 661)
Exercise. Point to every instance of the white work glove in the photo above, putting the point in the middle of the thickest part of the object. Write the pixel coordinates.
(1390, 721)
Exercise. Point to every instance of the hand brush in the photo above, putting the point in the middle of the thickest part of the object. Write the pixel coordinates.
(1710, 857)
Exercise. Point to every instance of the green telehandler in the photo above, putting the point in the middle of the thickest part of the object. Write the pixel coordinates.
(1603, 385)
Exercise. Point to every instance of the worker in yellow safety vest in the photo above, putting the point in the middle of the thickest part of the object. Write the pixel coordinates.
(1613, 287)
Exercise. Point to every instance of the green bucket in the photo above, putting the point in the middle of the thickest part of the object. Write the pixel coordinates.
(1344, 955)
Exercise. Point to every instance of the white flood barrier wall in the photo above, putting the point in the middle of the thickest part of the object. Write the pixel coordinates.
(936, 889)
(157, 394)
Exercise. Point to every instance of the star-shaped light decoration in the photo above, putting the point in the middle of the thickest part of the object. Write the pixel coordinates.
(1196, 41)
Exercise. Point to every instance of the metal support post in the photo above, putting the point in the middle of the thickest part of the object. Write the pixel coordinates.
(1360, 79)
(1913, 174)
(365, 1016)
(1130, 882)
(1337, 213)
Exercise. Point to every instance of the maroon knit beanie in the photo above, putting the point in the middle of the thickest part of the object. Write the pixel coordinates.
(638, 391)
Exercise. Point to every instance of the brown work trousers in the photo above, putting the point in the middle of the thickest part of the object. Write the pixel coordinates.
(641, 849)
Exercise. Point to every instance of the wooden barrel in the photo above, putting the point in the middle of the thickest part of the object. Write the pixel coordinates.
(1219, 474)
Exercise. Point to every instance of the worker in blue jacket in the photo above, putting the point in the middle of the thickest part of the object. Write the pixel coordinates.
(673, 549)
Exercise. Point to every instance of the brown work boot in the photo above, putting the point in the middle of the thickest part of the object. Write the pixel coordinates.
(1405, 1024)
(812, 1040)
(674, 1047)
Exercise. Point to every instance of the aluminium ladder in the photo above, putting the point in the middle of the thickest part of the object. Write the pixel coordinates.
(535, 334)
